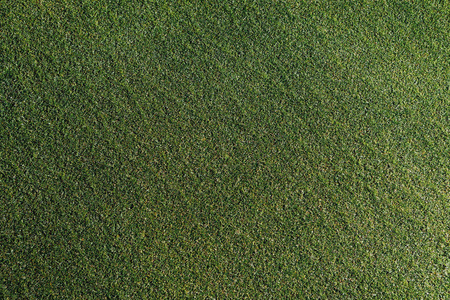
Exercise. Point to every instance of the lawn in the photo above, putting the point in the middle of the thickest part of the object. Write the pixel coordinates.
(259, 149)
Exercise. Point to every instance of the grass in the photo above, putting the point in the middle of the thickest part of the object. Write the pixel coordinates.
(258, 149)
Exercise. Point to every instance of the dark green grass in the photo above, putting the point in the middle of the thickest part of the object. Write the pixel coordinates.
(255, 149)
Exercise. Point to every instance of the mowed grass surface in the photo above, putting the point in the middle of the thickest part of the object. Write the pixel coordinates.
(247, 149)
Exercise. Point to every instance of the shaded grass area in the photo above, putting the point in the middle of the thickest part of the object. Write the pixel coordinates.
(263, 149)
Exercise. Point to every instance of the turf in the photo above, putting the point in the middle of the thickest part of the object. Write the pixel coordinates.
(237, 149)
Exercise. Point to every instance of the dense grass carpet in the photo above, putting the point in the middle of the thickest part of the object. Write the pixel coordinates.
(258, 149)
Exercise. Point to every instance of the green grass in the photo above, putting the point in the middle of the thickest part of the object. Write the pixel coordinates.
(247, 149)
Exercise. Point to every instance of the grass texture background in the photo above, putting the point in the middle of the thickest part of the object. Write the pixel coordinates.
(238, 149)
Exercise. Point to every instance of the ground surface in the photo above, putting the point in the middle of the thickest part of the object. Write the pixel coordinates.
(255, 149)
